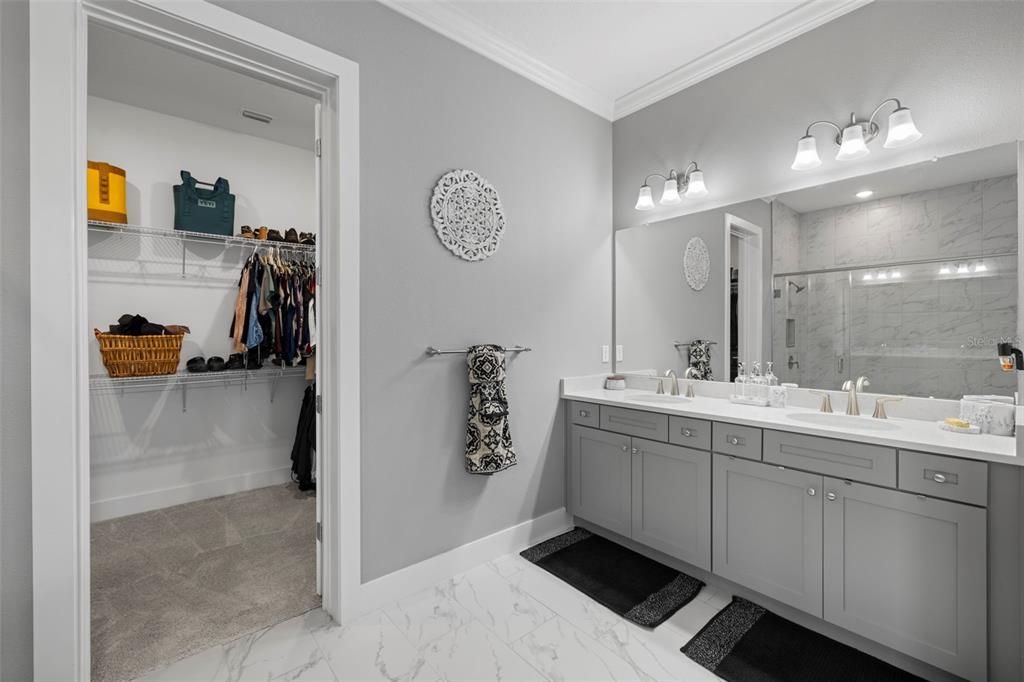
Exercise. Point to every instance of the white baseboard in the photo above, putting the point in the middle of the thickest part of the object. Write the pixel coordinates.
(419, 576)
(111, 508)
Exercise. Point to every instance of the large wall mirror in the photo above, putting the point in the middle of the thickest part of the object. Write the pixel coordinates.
(906, 276)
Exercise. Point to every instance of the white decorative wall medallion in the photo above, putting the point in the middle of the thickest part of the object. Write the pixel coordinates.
(696, 263)
(467, 215)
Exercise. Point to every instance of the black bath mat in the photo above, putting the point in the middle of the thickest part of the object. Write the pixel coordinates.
(637, 588)
(747, 643)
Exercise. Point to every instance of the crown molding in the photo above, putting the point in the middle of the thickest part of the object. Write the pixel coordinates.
(801, 19)
(456, 25)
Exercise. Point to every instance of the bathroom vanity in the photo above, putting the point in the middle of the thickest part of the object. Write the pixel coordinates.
(879, 527)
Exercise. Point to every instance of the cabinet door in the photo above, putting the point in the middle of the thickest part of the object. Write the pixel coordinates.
(599, 487)
(672, 500)
(908, 571)
(767, 530)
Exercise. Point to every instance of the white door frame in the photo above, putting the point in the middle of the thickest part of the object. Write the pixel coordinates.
(59, 272)
(751, 303)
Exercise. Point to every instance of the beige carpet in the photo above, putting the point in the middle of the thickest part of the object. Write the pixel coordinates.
(171, 582)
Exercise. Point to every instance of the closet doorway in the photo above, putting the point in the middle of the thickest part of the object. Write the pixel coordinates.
(192, 490)
(744, 304)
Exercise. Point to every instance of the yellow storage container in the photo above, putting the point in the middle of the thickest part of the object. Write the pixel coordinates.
(107, 193)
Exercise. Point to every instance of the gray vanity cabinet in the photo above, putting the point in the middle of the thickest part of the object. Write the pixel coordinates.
(672, 500)
(909, 571)
(767, 530)
(599, 485)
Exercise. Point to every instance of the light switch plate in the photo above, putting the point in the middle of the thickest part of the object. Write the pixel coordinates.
(618, 353)
(604, 354)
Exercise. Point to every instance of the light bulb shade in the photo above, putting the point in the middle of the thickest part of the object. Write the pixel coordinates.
(670, 195)
(696, 187)
(806, 154)
(902, 130)
(644, 201)
(853, 146)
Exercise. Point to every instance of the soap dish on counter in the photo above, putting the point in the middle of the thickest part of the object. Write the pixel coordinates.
(748, 400)
(959, 429)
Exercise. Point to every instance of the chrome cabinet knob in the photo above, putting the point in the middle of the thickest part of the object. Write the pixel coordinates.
(625, 448)
(939, 478)
(636, 451)
(733, 440)
(584, 413)
(831, 496)
(812, 492)
(688, 433)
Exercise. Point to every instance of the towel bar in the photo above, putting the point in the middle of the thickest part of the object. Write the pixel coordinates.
(680, 344)
(451, 351)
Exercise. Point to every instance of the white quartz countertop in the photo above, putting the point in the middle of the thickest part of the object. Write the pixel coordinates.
(909, 434)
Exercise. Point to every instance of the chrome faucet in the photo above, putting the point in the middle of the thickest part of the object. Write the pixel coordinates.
(853, 388)
(675, 381)
(689, 374)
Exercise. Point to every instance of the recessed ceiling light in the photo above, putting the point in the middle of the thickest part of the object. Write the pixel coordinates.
(863, 194)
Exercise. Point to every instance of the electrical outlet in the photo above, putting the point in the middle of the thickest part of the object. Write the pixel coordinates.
(604, 354)
(618, 353)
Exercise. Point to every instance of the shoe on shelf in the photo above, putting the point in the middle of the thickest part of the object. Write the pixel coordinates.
(291, 236)
(274, 236)
(262, 232)
(235, 361)
(307, 238)
(247, 232)
(215, 364)
(196, 364)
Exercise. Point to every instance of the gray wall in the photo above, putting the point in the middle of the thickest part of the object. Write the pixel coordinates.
(15, 432)
(956, 64)
(653, 303)
(429, 105)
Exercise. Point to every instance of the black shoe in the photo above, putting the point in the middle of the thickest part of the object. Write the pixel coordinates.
(196, 364)
(235, 361)
(215, 364)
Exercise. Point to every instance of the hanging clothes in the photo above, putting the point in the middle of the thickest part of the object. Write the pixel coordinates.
(273, 311)
(700, 359)
(303, 450)
(488, 439)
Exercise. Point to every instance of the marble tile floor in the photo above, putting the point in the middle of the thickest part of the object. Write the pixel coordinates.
(504, 620)
(171, 582)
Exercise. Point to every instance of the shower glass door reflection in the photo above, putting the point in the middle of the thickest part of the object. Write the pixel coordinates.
(925, 329)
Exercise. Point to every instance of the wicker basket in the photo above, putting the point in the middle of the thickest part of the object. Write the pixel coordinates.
(140, 356)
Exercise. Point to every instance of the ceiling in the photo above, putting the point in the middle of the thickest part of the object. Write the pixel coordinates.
(144, 74)
(615, 57)
(981, 164)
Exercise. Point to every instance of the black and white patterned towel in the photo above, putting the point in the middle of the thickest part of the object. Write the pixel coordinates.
(700, 359)
(488, 440)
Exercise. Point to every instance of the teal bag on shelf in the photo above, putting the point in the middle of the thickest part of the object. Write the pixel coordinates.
(211, 211)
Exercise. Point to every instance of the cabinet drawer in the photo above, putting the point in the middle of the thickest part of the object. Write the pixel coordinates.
(635, 422)
(955, 479)
(584, 414)
(838, 458)
(741, 441)
(693, 433)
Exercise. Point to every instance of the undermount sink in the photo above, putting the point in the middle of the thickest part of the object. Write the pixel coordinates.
(657, 398)
(843, 421)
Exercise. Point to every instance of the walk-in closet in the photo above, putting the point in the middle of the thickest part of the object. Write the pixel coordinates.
(202, 281)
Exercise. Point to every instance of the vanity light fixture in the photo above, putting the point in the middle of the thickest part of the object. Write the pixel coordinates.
(895, 274)
(944, 270)
(867, 277)
(981, 267)
(854, 138)
(882, 275)
(690, 184)
(962, 269)
(864, 194)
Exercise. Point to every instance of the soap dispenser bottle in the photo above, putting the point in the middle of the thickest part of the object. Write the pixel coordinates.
(757, 382)
(741, 381)
(776, 393)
